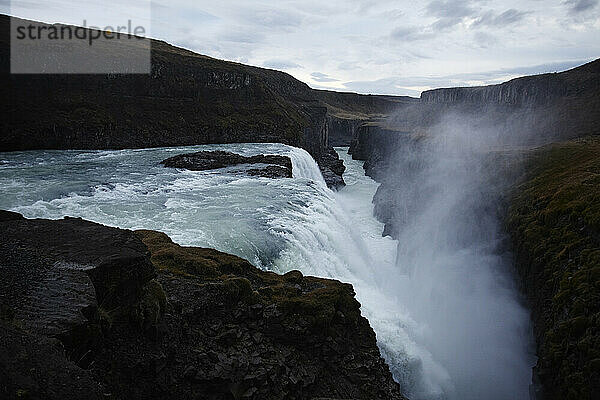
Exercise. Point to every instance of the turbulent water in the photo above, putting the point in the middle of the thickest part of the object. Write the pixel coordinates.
(280, 225)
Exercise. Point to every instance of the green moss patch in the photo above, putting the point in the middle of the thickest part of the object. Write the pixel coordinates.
(321, 303)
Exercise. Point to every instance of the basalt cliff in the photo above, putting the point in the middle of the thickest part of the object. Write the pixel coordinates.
(529, 111)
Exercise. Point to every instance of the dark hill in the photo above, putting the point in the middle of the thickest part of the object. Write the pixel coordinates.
(187, 99)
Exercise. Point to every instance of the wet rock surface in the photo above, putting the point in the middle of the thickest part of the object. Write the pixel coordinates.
(165, 321)
(332, 168)
(268, 166)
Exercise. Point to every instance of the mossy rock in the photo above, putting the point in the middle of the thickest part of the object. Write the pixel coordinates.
(318, 301)
(554, 220)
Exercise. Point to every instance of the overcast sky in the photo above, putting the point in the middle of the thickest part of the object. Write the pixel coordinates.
(383, 47)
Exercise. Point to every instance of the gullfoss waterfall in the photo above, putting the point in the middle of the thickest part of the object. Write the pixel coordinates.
(287, 224)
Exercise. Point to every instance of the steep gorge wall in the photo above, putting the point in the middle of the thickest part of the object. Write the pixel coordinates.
(533, 90)
(532, 110)
(528, 111)
(187, 99)
(539, 90)
(554, 221)
(341, 130)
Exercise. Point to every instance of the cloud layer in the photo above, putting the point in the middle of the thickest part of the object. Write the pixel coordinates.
(387, 46)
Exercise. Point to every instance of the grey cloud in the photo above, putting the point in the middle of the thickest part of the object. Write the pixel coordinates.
(449, 13)
(348, 66)
(169, 15)
(280, 64)
(452, 13)
(537, 69)
(9, 5)
(450, 8)
(241, 37)
(320, 77)
(270, 18)
(508, 17)
(485, 40)
(445, 23)
(394, 14)
(419, 55)
(578, 6)
(410, 33)
(388, 86)
(279, 18)
(490, 76)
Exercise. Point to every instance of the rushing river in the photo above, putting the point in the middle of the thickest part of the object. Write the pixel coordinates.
(277, 224)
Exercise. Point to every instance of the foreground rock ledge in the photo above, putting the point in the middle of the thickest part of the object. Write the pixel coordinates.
(98, 312)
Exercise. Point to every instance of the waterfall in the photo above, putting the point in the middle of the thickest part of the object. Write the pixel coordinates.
(453, 273)
(299, 224)
(304, 166)
(440, 300)
(337, 236)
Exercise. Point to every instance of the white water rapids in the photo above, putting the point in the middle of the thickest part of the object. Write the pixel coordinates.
(285, 224)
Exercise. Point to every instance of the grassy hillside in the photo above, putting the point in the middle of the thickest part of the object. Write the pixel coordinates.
(555, 224)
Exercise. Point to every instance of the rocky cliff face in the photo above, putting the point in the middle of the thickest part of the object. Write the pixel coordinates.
(98, 312)
(536, 90)
(529, 90)
(529, 110)
(341, 130)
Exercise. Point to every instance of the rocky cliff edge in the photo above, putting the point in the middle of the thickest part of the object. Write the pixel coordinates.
(98, 312)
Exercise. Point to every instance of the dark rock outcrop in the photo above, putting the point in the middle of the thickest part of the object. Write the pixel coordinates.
(332, 168)
(62, 279)
(277, 166)
(270, 171)
(99, 312)
(33, 366)
(342, 130)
